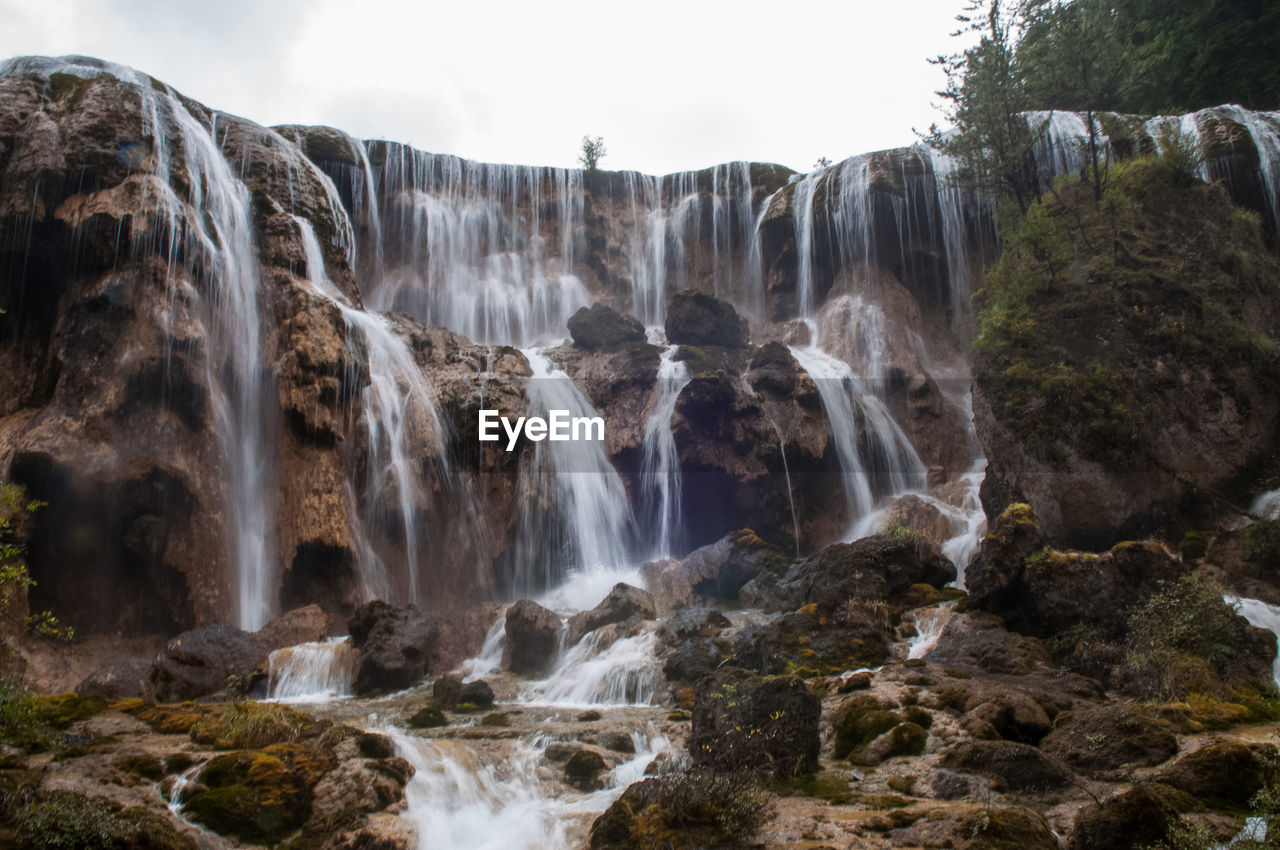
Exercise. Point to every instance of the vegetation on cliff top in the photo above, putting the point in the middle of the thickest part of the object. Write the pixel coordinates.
(1097, 309)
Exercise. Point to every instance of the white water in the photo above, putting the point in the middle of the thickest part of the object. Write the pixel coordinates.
(319, 671)
(890, 465)
(590, 498)
(1263, 616)
(930, 624)
(660, 505)
(623, 673)
(457, 802)
(1267, 506)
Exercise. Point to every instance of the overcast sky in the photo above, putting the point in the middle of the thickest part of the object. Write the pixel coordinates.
(670, 84)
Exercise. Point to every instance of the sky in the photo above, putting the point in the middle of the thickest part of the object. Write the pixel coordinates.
(669, 85)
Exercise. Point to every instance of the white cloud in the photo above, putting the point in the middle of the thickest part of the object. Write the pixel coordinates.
(670, 85)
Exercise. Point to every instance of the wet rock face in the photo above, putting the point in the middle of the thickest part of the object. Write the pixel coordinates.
(600, 326)
(533, 638)
(624, 602)
(743, 722)
(393, 646)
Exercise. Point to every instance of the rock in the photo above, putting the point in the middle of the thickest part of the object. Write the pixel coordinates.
(860, 720)
(117, 680)
(1007, 828)
(1109, 737)
(599, 326)
(742, 721)
(428, 717)
(392, 646)
(1037, 592)
(905, 739)
(301, 625)
(1021, 767)
(622, 603)
(1012, 716)
(447, 690)
(583, 770)
(477, 693)
(589, 716)
(1138, 817)
(619, 742)
(713, 572)
(690, 660)
(533, 638)
(774, 370)
(980, 642)
(1225, 772)
(694, 318)
(879, 567)
(197, 663)
(691, 623)
(801, 640)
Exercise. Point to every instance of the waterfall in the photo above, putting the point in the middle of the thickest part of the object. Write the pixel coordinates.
(660, 467)
(1266, 506)
(311, 672)
(802, 210)
(930, 623)
(467, 246)
(1264, 131)
(1262, 616)
(591, 508)
(400, 418)
(859, 416)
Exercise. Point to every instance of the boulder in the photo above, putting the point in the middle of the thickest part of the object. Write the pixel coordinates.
(816, 644)
(880, 567)
(692, 623)
(533, 638)
(1020, 767)
(1037, 590)
(623, 603)
(393, 646)
(117, 680)
(980, 642)
(716, 571)
(477, 693)
(198, 662)
(599, 327)
(742, 721)
(1226, 772)
(688, 643)
(1109, 737)
(1006, 828)
(1138, 817)
(447, 690)
(584, 769)
(301, 625)
(1008, 715)
(695, 318)
(774, 370)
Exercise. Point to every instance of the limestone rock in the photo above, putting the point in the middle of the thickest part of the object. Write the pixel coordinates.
(533, 638)
(393, 646)
(600, 326)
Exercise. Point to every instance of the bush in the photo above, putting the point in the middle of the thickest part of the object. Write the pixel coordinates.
(22, 718)
(1182, 639)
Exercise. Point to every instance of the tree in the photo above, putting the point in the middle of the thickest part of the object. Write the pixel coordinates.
(984, 99)
(593, 150)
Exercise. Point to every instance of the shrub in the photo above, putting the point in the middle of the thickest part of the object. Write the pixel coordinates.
(1182, 638)
(22, 718)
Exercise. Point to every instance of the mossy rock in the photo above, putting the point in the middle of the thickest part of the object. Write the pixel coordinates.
(171, 719)
(62, 710)
(496, 718)
(1008, 828)
(858, 721)
(905, 739)
(141, 765)
(254, 725)
(584, 768)
(428, 717)
(65, 820)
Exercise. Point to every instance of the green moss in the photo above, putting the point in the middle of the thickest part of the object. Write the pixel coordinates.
(701, 360)
(253, 725)
(64, 709)
(145, 766)
(858, 721)
(834, 786)
(65, 820)
(1095, 310)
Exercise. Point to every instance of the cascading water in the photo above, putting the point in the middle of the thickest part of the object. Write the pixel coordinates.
(624, 672)
(399, 415)
(1262, 616)
(311, 672)
(660, 506)
(590, 498)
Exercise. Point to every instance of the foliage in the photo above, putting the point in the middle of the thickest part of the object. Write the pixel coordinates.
(593, 150)
(1096, 308)
(1183, 632)
(22, 718)
(15, 508)
(254, 724)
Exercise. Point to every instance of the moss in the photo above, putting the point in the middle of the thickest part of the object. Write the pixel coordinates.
(1213, 713)
(902, 784)
(1008, 828)
(145, 766)
(919, 716)
(701, 360)
(428, 717)
(834, 786)
(906, 739)
(171, 719)
(253, 725)
(66, 820)
(64, 709)
(860, 720)
(1095, 310)
(258, 796)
